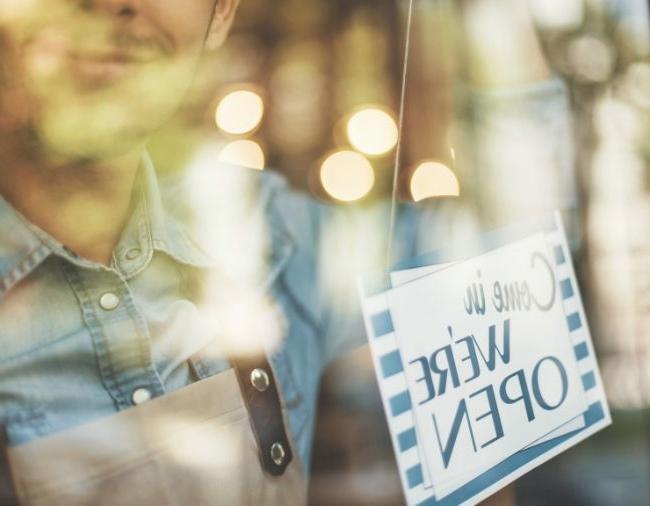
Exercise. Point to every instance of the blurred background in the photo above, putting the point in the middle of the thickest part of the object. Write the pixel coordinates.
(310, 88)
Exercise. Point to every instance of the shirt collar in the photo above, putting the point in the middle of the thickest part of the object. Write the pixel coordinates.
(21, 250)
(214, 213)
(151, 227)
(184, 229)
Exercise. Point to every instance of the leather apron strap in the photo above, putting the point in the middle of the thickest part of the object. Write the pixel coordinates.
(260, 393)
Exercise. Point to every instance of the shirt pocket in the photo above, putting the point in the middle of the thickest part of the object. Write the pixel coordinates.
(23, 425)
(38, 312)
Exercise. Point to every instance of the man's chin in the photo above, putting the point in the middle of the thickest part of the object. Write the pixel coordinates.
(75, 119)
(95, 134)
(86, 144)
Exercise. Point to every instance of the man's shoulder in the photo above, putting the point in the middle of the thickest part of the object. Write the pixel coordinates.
(230, 204)
(267, 189)
(301, 213)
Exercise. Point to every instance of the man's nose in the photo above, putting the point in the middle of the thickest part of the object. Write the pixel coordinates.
(125, 9)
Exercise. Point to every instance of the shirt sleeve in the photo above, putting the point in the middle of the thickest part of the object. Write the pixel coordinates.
(514, 159)
(514, 150)
(354, 246)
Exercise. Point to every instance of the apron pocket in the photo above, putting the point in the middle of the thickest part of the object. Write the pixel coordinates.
(182, 463)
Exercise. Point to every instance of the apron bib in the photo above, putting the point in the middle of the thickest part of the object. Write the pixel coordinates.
(194, 446)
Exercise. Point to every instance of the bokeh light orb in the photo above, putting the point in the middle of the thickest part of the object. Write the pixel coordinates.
(557, 14)
(591, 58)
(433, 179)
(372, 131)
(244, 153)
(239, 112)
(12, 10)
(347, 175)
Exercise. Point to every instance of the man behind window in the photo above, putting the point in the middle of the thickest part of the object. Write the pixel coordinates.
(162, 341)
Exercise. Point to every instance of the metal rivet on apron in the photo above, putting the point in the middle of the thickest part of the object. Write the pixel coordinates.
(278, 453)
(133, 253)
(140, 395)
(260, 379)
(109, 301)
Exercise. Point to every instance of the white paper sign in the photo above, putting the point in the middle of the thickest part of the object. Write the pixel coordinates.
(402, 277)
(481, 386)
(487, 357)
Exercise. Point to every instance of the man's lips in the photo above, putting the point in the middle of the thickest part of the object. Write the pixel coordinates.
(107, 65)
(113, 56)
(92, 63)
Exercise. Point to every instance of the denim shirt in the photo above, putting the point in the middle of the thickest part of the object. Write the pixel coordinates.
(78, 339)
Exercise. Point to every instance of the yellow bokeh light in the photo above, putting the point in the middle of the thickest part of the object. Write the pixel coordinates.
(433, 179)
(11, 10)
(245, 153)
(347, 176)
(372, 131)
(239, 112)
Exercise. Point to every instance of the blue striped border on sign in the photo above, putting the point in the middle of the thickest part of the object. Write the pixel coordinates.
(391, 364)
(574, 321)
(400, 403)
(382, 323)
(581, 351)
(407, 439)
(588, 380)
(566, 288)
(414, 476)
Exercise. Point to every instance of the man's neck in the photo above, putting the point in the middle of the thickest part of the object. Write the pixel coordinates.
(84, 205)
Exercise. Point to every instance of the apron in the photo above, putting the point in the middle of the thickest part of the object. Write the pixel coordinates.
(209, 443)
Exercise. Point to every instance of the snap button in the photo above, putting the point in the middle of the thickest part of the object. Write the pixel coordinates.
(109, 301)
(277, 453)
(133, 253)
(140, 395)
(260, 379)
